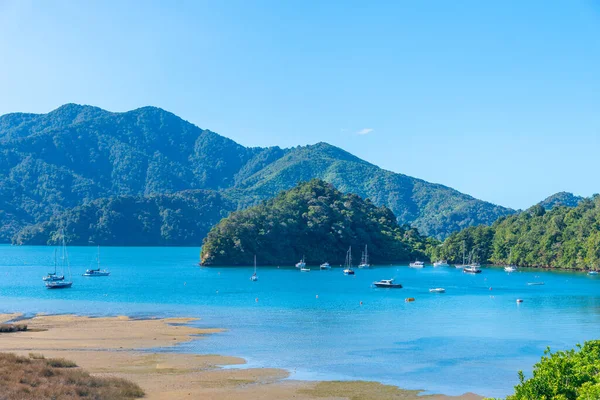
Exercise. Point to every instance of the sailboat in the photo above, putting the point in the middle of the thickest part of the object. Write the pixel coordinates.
(254, 277)
(463, 262)
(364, 262)
(510, 267)
(97, 271)
(348, 263)
(473, 267)
(301, 263)
(62, 284)
(52, 276)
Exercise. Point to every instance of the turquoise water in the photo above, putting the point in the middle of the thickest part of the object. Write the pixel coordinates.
(469, 339)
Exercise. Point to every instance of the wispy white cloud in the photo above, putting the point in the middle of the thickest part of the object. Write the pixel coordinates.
(365, 131)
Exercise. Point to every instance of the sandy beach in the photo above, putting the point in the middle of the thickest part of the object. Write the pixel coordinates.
(121, 346)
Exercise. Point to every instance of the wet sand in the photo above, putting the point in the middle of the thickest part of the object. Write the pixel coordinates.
(120, 346)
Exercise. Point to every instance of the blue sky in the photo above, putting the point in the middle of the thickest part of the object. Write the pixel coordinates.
(500, 99)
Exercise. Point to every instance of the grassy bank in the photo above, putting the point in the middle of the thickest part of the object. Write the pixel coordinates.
(36, 377)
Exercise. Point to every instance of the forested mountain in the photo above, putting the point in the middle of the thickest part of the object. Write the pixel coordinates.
(75, 154)
(314, 220)
(563, 237)
(561, 199)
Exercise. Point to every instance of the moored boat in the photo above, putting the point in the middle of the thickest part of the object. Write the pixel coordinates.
(325, 265)
(510, 268)
(364, 262)
(304, 269)
(441, 263)
(437, 290)
(301, 263)
(417, 264)
(348, 263)
(535, 283)
(53, 276)
(58, 285)
(93, 272)
(387, 283)
(61, 283)
(254, 276)
(472, 269)
(593, 273)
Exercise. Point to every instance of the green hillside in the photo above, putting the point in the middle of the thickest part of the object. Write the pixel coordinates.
(563, 237)
(314, 220)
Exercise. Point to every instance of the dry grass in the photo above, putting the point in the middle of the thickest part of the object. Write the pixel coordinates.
(35, 377)
(7, 328)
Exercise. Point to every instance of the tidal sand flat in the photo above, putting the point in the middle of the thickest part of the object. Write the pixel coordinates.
(123, 347)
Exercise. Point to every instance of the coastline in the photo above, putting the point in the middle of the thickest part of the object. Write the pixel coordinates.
(134, 349)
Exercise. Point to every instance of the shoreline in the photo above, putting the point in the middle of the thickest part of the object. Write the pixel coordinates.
(134, 349)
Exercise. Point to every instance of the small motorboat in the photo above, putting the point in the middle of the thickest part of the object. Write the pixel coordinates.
(441, 263)
(325, 266)
(472, 269)
(58, 285)
(417, 264)
(96, 272)
(409, 299)
(437, 290)
(593, 273)
(387, 283)
(535, 283)
(304, 269)
(519, 301)
(510, 268)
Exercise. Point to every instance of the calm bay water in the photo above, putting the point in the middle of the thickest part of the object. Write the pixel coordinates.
(469, 339)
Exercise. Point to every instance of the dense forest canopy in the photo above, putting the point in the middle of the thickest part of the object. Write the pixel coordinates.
(563, 237)
(312, 220)
(55, 162)
(180, 219)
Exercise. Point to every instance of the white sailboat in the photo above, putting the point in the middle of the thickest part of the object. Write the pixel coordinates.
(254, 276)
(463, 261)
(325, 266)
(348, 263)
(301, 264)
(510, 267)
(52, 276)
(97, 271)
(62, 284)
(364, 262)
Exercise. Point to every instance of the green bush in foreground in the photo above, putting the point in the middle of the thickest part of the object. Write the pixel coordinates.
(564, 375)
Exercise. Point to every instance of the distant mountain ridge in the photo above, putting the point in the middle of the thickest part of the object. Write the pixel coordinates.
(561, 199)
(51, 163)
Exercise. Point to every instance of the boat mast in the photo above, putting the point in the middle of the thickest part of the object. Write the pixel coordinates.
(350, 257)
(98, 257)
(65, 255)
(255, 264)
(366, 255)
